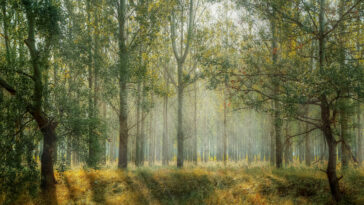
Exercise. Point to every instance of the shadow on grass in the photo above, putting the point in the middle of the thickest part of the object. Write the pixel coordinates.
(98, 188)
(295, 185)
(71, 192)
(177, 187)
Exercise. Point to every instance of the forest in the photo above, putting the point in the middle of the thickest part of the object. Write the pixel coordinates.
(181, 102)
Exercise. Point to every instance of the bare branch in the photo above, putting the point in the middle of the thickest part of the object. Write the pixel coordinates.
(173, 37)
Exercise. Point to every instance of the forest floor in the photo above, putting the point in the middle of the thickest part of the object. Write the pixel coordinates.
(200, 185)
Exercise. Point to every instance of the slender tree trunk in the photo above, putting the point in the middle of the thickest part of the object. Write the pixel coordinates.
(225, 138)
(288, 147)
(359, 113)
(138, 122)
(344, 137)
(123, 92)
(308, 148)
(359, 136)
(272, 142)
(152, 137)
(344, 118)
(180, 137)
(194, 155)
(165, 151)
(180, 86)
(91, 161)
(142, 131)
(6, 35)
(99, 141)
(277, 120)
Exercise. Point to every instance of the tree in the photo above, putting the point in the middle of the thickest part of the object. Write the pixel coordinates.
(47, 27)
(180, 58)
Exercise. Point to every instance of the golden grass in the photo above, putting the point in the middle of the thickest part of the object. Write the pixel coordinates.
(198, 185)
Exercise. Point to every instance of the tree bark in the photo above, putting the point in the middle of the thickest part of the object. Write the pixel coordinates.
(225, 139)
(91, 161)
(331, 166)
(325, 114)
(194, 151)
(277, 120)
(165, 151)
(180, 58)
(344, 118)
(359, 136)
(138, 122)
(49, 138)
(123, 92)
(180, 137)
(151, 136)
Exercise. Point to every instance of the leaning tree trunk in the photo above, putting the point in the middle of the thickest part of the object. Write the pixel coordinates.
(46, 126)
(325, 114)
(331, 142)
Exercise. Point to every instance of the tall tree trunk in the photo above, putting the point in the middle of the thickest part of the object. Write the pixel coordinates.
(180, 136)
(151, 136)
(344, 137)
(180, 58)
(100, 141)
(288, 147)
(308, 148)
(165, 146)
(194, 151)
(142, 131)
(344, 118)
(123, 92)
(359, 135)
(5, 30)
(91, 161)
(225, 139)
(272, 142)
(138, 122)
(277, 119)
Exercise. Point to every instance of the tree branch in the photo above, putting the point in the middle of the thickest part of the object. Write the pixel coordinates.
(7, 87)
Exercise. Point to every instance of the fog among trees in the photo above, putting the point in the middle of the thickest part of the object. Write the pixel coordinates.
(181, 102)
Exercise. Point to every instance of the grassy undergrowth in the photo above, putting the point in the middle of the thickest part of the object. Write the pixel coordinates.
(206, 185)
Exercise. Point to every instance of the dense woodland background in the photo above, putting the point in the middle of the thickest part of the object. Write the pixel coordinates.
(105, 85)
